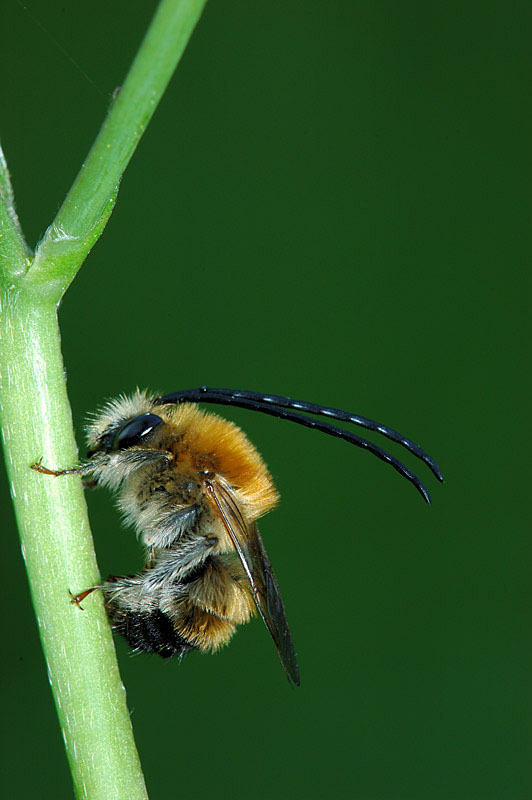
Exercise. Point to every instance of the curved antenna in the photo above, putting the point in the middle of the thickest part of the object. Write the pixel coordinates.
(280, 407)
(207, 394)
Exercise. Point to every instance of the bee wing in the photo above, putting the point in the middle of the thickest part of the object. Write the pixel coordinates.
(248, 544)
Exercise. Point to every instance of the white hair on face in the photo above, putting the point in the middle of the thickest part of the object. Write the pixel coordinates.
(117, 410)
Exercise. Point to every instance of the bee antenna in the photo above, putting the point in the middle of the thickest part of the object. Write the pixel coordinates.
(285, 408)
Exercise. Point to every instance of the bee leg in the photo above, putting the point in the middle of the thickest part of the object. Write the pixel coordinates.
(84, 469)
(76, 599)
(38, 467)
(145, 626)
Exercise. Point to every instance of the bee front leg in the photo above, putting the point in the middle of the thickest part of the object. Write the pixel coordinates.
(83, 469)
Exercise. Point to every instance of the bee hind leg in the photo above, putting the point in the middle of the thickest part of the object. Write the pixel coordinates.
(145, 627)
(78, 598)
(151, 632)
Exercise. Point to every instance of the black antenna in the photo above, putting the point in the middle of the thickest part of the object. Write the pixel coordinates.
(281, 407)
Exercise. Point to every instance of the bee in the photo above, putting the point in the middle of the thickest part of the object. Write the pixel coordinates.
(193, 486)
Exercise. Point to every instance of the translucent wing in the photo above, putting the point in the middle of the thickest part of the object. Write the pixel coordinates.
(248, 544)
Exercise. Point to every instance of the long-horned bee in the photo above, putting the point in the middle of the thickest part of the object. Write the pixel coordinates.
(194, 486)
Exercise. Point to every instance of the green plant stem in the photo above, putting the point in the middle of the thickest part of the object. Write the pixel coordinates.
(14, 253)
(57, 547)
(36, 423)
(91, 199)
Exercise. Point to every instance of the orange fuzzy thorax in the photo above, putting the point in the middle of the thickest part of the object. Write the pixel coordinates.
(205, 441)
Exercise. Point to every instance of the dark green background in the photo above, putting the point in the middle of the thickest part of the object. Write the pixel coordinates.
(333, 202)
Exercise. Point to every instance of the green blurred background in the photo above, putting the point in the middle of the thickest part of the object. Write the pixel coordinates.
(333, 202)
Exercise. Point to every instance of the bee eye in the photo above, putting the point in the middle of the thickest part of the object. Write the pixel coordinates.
(134, 431)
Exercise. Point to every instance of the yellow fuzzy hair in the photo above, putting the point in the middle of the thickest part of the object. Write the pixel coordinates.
(208, 441)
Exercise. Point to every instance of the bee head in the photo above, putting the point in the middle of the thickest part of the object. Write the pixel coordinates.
(130, 433)
(122, 424)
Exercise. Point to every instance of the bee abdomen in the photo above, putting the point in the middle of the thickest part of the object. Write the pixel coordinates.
(152, 632)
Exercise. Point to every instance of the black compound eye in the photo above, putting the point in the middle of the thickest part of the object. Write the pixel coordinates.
(134, 431)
